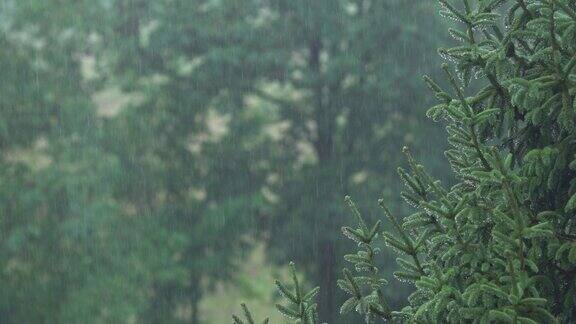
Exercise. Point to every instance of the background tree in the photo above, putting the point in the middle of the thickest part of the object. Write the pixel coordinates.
(192, 146)
(67, 255)
(349, 104)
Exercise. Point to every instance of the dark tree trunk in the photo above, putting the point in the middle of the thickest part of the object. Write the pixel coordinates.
(324, 117)
(195, 295)
(327, 276)
(160, 306)
(195, 317)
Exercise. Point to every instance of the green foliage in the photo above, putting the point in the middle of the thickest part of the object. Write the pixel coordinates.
(488, 249)
(302, 306)
(192, 148)
(105, 216)
(493, 244)
(498, 246)
(248, 316)
(366, 290)
(66, 253)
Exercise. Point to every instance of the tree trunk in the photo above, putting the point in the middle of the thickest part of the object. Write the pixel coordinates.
(327, 275)
(194, 295)
(195, 317)
(324, 117)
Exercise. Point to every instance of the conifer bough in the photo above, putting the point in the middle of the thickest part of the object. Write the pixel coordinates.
(500, 245)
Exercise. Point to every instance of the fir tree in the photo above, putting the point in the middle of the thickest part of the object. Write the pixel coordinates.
(500, 245)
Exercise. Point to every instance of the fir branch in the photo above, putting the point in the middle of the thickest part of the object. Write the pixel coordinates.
(248, 316)
(302, 307)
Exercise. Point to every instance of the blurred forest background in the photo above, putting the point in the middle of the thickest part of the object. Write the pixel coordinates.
(162, 160)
